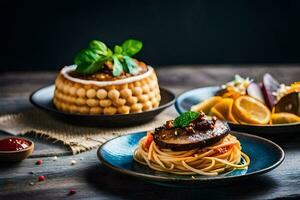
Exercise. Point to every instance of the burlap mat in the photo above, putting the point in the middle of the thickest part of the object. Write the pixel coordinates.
(78, 138)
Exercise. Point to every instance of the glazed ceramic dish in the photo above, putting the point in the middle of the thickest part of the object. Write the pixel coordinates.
(117, 155)
(186, 100)
(43, 99)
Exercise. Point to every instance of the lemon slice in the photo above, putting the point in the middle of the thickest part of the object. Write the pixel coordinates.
(250, 110)
(224, 107)
(284, 118)
(206, 105)
(214, 112)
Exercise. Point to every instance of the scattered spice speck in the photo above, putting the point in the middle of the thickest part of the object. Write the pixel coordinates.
(72, 191)
(41, 178)
(54, 158)
(193, 177)
(31, 172)
(73, 162)
(39, 162)
(31, 183)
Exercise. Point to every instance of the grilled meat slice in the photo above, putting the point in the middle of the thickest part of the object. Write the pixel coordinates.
(179, 139)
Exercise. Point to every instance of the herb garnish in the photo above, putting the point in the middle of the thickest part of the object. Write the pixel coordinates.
(185, 119)
(92, 59)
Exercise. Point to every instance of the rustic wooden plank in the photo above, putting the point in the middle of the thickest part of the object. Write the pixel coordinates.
(92, 180)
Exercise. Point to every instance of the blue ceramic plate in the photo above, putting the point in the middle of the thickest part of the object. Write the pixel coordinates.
(116, 154)
(42, 99)
(186, 100)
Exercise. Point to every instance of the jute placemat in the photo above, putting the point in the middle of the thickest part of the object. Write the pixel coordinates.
(78, 138)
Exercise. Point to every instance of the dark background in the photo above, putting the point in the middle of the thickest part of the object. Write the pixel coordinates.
(47, 34)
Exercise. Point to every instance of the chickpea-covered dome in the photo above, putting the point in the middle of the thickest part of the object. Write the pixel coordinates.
(128, 95)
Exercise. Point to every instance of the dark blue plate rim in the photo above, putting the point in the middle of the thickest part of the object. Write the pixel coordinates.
(201, 179)
(160, 107)
(185, 93)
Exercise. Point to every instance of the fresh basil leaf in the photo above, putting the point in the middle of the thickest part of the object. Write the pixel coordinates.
(125, 67)
(109, 53)
(131, 47)
(118, 49)
(98, 46)
(185, 119)
(85, 56)
(131, 65)
(118, 68)
(88, 62)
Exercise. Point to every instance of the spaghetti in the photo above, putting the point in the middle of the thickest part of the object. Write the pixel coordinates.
(221, 157)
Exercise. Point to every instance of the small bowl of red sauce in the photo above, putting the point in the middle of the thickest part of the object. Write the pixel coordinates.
(15, 149)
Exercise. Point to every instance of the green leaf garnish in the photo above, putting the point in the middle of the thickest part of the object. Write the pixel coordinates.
(132, 47)
(131, 65)
(118, 49)
(99, 47)
(118, 68)
(92, 59)
(88, 62)
(185, 119)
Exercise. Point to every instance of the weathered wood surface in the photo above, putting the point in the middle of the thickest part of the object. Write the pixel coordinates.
(93, 181)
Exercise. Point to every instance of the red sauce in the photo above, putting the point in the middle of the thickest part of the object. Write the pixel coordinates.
(13, 144)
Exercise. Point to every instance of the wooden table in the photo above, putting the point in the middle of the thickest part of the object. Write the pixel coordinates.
(91, 180)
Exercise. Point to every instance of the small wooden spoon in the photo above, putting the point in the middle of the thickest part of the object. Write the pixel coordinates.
(14, 156)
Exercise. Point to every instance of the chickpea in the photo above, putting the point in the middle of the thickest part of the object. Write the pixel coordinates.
(147, 105)
(152, 85)
(151, 95)
(137, 84)
(73, 108)
(101, 94)
(119, 102)
(92, 102)
(146, 89)
(110, 110)
(114, 94)
(137, 91)
(63, 97)
(72, 91)
(132, 100)
(63, 106)
(60, 85)
(125, 93)
(95, 110)
(83, 109)
(124, 109)
(155, 103)
(72, 100)
(136, 107)
(143, 98)
(80, 101)
(105, 102)
(58, 94)
(91, 93)
(68, 98)
(66, 89)
(81, 92)
(158, 97)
